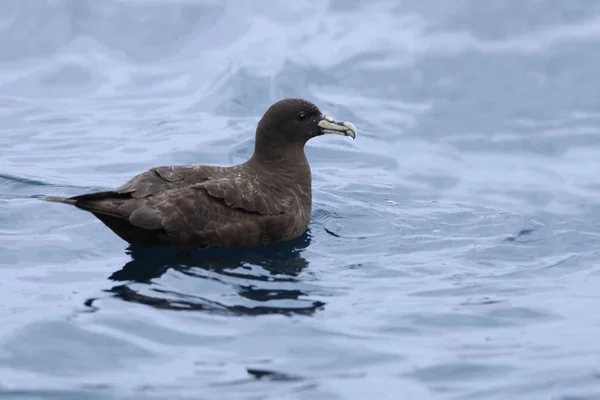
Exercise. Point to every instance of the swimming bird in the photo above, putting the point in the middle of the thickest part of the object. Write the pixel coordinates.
(264, 200)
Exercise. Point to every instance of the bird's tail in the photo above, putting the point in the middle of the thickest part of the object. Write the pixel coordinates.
(59, 199)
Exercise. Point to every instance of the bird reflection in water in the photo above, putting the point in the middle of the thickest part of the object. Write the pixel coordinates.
(279, 263)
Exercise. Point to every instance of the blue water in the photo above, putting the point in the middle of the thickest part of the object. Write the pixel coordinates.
(454, 247)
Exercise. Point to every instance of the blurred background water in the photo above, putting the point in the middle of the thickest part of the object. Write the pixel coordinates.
(453, 250)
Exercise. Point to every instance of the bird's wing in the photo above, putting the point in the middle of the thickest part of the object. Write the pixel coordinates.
(160, 179)
(160, 200)
(246, 194)
(207, 205)
(193, 215)
(236, 190)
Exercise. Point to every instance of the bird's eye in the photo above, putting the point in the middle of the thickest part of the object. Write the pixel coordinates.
(302, 115)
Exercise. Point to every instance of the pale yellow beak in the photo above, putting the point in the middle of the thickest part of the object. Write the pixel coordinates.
(328, 125)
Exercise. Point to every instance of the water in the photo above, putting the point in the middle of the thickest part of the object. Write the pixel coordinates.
(453, 250)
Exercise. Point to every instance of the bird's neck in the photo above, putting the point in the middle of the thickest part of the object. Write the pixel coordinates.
(288, 175)
(284, 165)
(274, 155)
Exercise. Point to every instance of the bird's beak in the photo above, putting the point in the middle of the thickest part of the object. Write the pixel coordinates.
(328, 125)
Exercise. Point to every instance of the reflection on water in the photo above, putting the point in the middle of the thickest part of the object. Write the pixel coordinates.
(246, 269)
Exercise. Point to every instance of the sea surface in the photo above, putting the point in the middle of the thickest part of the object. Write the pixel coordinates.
(454, 247)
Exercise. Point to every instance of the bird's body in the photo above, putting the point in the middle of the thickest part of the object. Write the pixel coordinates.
(201, 206)
(264, 200)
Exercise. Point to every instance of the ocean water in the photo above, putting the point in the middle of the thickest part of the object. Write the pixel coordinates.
(454, 247)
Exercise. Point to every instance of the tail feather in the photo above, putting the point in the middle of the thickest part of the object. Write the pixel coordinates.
(107, 203)
(84, 198)
(59, 199)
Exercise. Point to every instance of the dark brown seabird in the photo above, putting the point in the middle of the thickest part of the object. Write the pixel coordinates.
(265, 200)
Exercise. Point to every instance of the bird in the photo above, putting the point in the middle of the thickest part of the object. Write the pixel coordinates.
(265, 200)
